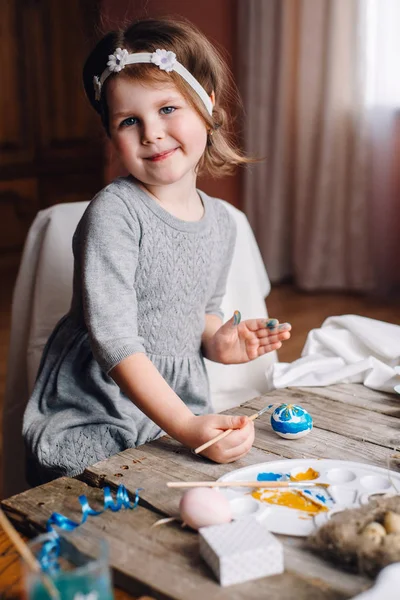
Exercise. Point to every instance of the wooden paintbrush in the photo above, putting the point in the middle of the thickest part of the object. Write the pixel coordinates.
(250, 484)
(28, 556)
(223, 434)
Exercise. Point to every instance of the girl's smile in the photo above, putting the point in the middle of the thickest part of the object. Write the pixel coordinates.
(162, 155)
(159, 137)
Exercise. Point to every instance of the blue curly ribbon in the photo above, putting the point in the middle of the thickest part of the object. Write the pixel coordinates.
(49, 553)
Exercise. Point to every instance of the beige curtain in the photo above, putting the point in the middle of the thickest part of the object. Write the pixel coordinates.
(301, 79)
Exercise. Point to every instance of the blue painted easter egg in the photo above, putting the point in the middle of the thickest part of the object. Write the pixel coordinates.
(291, 421)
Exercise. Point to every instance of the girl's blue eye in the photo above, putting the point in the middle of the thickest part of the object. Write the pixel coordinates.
(128, 122)
(167, 110)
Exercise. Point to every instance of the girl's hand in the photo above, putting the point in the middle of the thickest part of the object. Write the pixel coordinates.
(237, 342)
(203, 428)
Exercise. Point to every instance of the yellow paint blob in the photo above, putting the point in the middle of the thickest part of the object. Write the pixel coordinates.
(306, 476)
(293, 499)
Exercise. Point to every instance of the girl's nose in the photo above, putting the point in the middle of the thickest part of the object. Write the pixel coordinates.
(151, 132)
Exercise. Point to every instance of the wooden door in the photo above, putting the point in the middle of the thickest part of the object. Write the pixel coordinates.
(51, 141)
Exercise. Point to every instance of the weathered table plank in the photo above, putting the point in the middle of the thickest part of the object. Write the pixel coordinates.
(153, 464)
(170, 450)
(348, 420)
(163, 561)
(348, 394)
(321, 443)
(357, 395)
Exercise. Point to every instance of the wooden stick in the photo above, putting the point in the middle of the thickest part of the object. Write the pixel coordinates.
(27, 554)
(251, 484)
(223, 434)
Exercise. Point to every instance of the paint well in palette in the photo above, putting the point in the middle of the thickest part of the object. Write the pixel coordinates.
(269, 476)
(304, 500)
(304, 475)
(295, 499)
(307, 475)
(317, 497)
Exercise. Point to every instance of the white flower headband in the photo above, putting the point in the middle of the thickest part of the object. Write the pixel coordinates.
(163, 59)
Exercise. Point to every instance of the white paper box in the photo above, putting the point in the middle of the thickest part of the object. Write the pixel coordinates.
(240, 551)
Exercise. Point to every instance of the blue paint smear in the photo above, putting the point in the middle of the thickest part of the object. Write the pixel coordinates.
(320, 497)
(269, 476)
(291, 427)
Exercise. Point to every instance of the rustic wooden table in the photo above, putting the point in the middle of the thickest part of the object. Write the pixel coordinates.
(351, 422)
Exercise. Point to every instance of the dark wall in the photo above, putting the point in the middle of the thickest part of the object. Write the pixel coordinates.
(217, 20)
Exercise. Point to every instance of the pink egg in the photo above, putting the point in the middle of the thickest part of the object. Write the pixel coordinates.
(200, 507)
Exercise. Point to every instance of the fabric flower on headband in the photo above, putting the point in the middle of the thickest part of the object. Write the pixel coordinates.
(117, 60)
(164, 59)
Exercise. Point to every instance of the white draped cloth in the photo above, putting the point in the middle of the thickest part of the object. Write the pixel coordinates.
(345, 349)
(386, 586)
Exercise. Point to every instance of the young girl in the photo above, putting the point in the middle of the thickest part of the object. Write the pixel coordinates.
(152, 254)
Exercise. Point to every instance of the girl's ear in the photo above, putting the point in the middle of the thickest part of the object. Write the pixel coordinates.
(212, 96)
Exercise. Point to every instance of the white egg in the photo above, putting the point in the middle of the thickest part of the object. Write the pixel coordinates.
(200, 507)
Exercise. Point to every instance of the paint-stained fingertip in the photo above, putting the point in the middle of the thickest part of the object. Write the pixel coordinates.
(271, 323)
(237, 317)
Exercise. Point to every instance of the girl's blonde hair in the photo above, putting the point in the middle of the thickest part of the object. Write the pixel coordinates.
(200, 58)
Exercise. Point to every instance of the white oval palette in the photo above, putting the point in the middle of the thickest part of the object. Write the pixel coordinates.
(351, 484)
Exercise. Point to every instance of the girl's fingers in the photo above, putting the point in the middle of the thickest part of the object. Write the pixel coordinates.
(234, 440)
(265, 349)
(257, 349)
(273, 339)
(255, 324)
(240, 456)
(238, 437)
(231, 421)
(265, 338)
(239, 450)
(280, 330)
(263, 329)
(269, 340)
(259, 346)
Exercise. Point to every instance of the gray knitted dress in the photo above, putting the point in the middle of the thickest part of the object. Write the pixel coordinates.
(143, 282)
